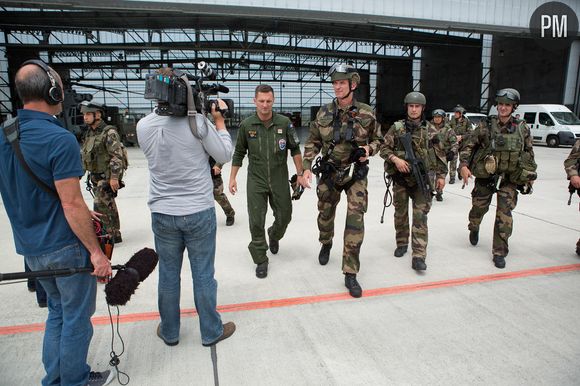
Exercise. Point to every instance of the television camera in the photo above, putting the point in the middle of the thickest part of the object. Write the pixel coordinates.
(170, 91)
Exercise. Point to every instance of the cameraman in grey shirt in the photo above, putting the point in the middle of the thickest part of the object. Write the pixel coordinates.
(183, 215)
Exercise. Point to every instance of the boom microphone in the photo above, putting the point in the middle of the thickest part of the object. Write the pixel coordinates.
(119, 290)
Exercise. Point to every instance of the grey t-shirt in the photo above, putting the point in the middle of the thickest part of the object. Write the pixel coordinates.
(179, 178)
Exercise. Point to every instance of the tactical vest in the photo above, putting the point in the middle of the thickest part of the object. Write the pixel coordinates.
(342, 136)
(420, 140)
(95, 156)
(460, 128)
(508, 150)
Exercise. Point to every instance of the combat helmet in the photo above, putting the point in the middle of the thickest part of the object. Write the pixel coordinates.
(415, 97)
(438, 112)
(340, 71)
(91, 107)
(459, 109)
(508, 95)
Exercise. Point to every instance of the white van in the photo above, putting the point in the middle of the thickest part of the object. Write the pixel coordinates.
(474, 118)
(553, 125)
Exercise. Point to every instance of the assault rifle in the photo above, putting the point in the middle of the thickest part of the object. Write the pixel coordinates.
(417, 165)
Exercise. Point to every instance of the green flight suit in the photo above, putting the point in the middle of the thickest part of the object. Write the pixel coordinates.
(267, 149)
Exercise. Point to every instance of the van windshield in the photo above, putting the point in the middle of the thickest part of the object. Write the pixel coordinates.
(566, 118)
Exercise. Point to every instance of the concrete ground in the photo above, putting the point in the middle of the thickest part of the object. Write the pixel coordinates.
(461, 322)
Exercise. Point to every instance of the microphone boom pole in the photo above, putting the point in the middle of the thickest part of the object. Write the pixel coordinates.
(46, 273)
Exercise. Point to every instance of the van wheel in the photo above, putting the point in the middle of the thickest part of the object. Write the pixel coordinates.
(553, 141)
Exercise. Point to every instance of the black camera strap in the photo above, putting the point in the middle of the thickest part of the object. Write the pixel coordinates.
(12, 135)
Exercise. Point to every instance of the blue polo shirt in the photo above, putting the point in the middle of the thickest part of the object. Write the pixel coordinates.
(52, 152)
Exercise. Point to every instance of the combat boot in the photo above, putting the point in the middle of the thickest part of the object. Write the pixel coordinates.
(230, 221)
(352, 284)
(418, 264)
(439, 196)
(262, 270)
(499, 261)
(274, 244)
(473, 237)
(400, 251)
(324, 254)
(451, 180)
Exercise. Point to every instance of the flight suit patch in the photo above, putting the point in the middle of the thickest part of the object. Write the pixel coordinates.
(252, 134)
(282, 144)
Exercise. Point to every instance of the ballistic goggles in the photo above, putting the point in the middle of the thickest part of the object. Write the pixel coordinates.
(507, 95)
(341, 68)
(438, 112)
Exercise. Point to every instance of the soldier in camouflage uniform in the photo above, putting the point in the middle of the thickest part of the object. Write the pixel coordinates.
(347, 133)
(405, 186)
(443, 139)
(267, 138)
(218, 191)
(104, 158)
(571, 165)
(462, 128)
(500, 156)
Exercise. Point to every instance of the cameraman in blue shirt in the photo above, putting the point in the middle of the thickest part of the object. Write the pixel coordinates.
(54, 231)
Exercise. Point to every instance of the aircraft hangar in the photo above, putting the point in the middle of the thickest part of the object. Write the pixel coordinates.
(455, 52)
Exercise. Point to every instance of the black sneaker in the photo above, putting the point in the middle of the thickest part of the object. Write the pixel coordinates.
(100, 378)
(163, 339)
(418, 264)
(324, 254)
(262, 270)
(230, 221)
(274, 244)
(499, 261)
(473, 237)
(352, 284)
(400, 251)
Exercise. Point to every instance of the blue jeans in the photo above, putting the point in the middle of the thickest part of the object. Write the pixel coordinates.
(71, 303)
(173, 234)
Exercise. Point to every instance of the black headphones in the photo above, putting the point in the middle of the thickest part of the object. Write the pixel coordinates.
(53, 91)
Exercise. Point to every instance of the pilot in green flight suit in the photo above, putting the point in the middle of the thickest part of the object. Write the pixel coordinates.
(266, 137)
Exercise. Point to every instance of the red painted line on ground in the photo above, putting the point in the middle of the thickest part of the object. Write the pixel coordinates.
(139, 317)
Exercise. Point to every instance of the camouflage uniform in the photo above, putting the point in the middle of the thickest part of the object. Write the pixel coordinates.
(406, 187)
(513, 146)
(365, 131)
(460, 128)
(571, 166)
(218, 190)
(444, 140)
(102, 156)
